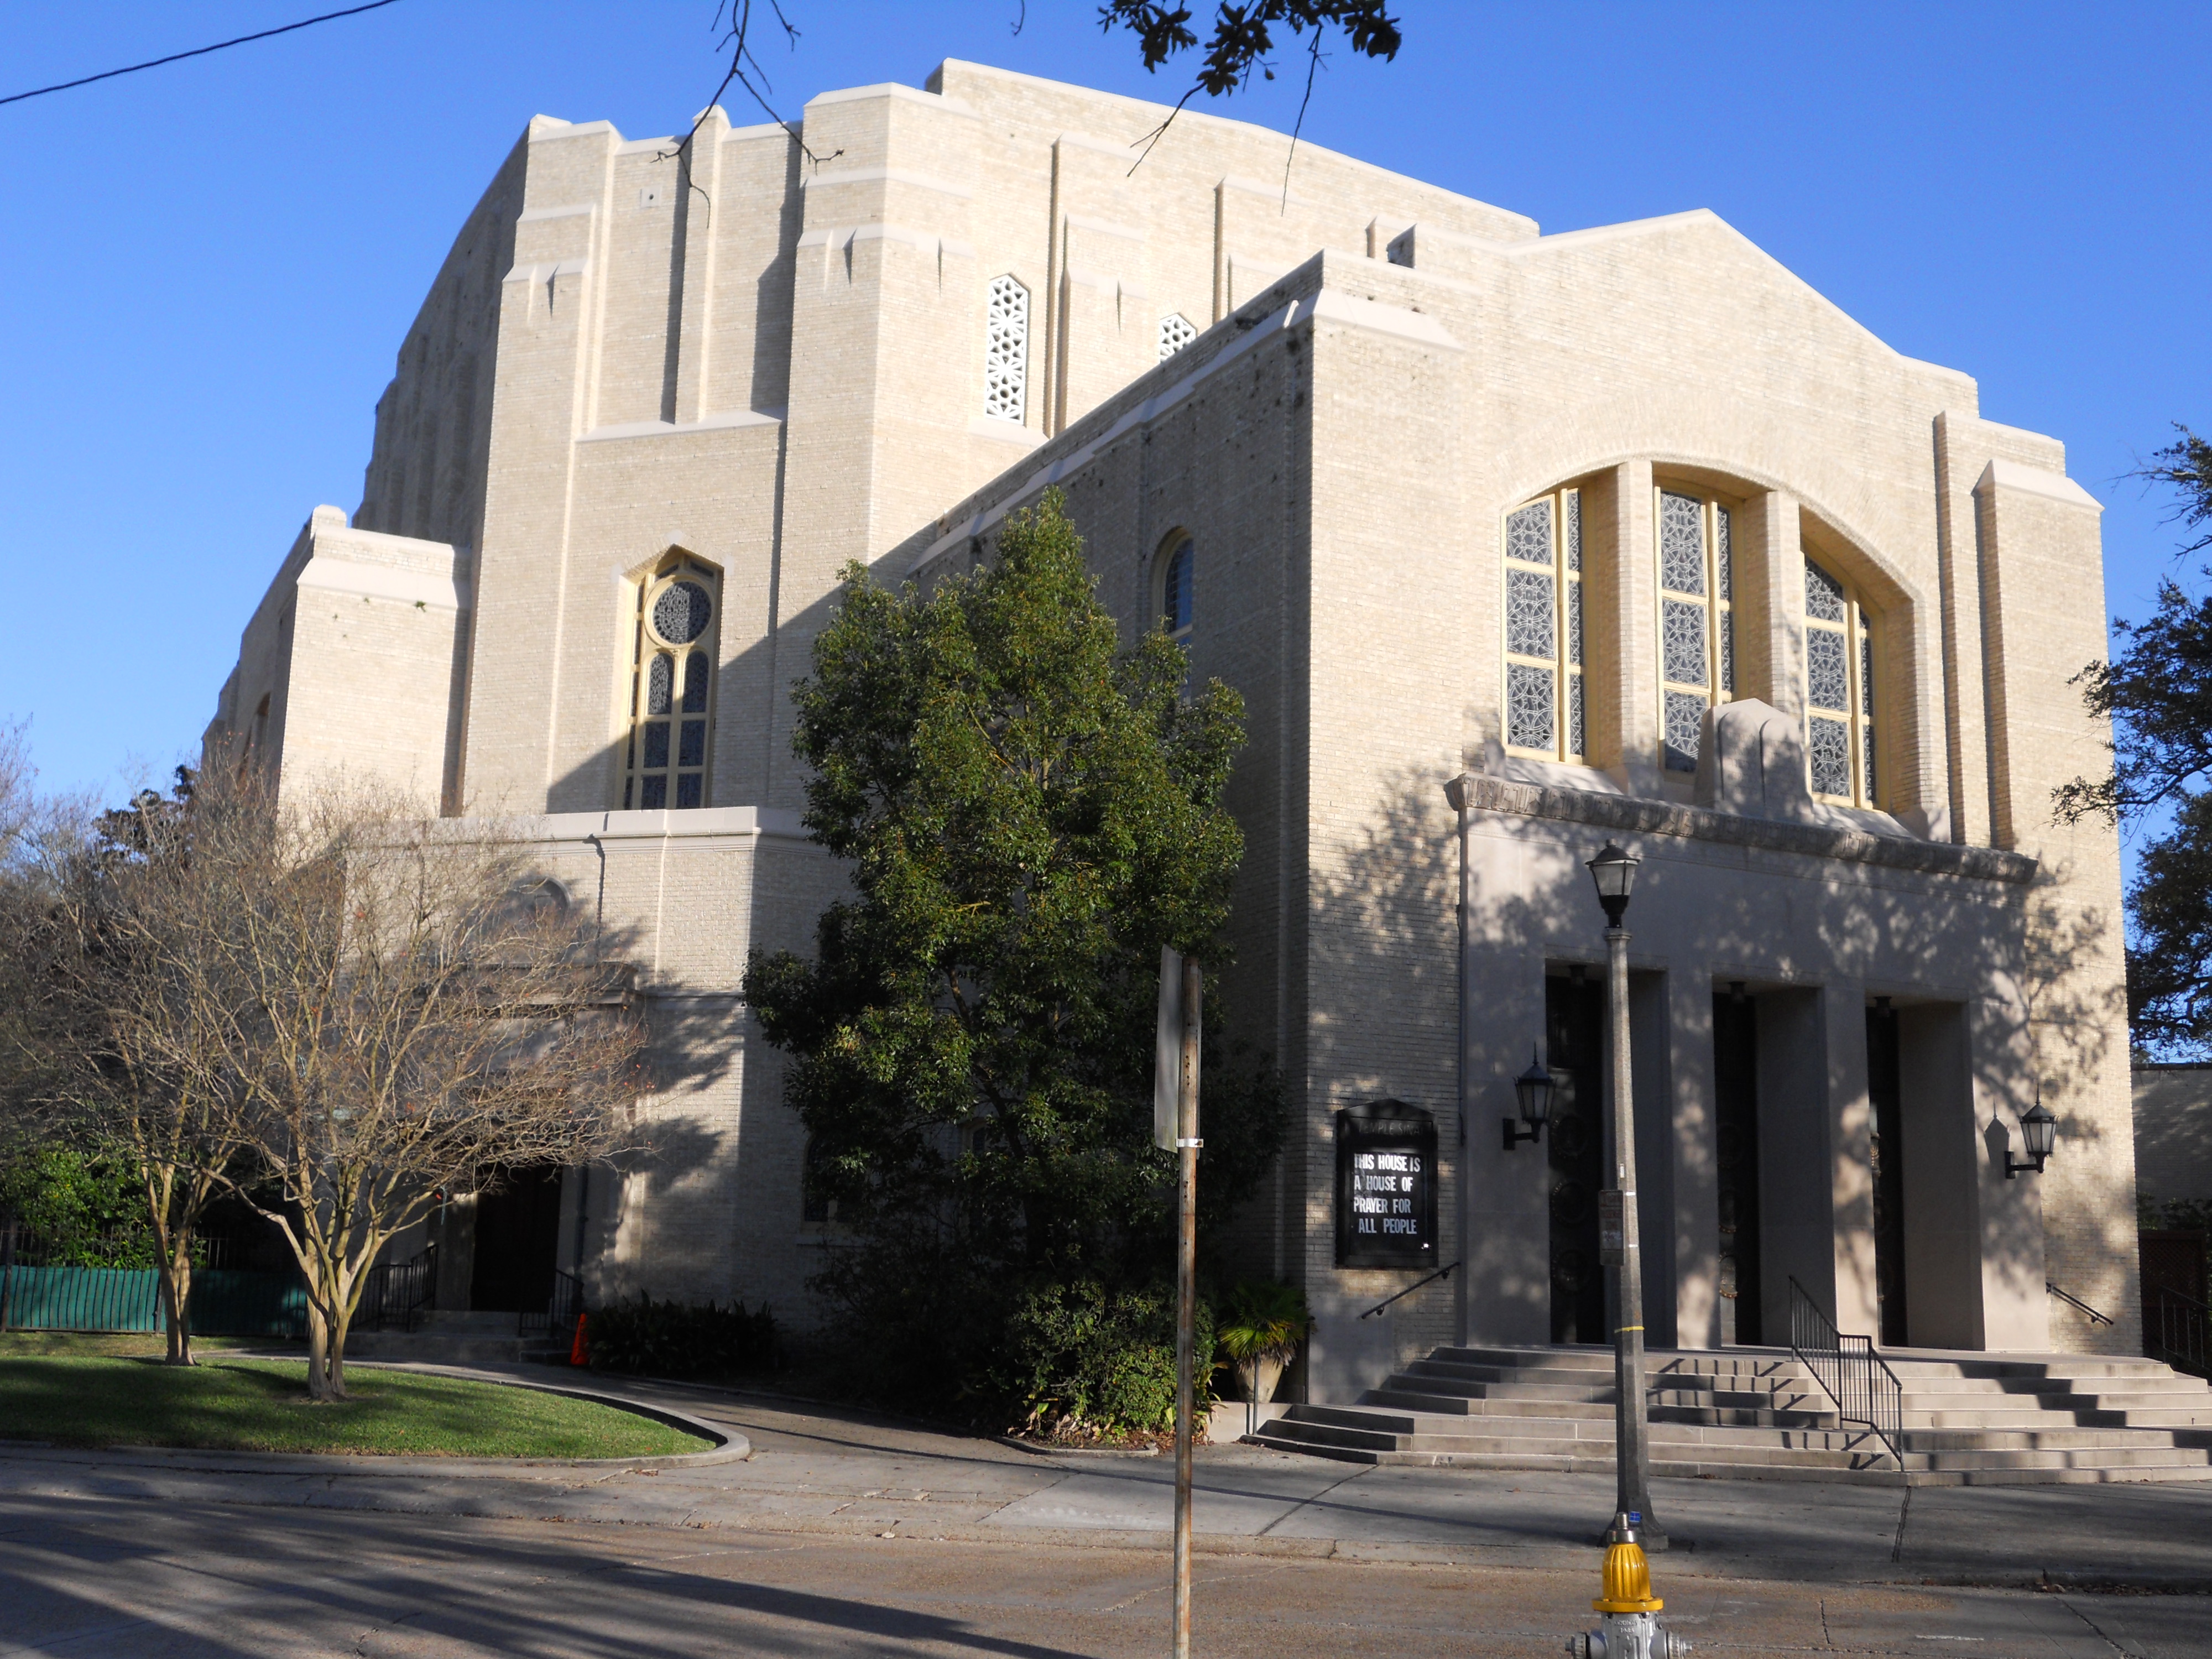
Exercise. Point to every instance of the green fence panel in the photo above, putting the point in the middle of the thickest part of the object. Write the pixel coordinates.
(234, 1302)
(80, 1299)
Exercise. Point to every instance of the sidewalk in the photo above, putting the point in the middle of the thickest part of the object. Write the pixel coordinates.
(824, 1470)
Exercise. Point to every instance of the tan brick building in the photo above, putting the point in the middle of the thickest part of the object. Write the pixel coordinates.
(1620, 534)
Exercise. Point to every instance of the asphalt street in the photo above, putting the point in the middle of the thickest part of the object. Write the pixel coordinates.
(846, 1534)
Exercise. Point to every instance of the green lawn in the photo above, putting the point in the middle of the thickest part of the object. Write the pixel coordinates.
(240, 1405)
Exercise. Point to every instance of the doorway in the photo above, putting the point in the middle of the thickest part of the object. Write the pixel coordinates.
(1735, 1100)
(518, 1241)
(1886, 1154)
(1574, 1017)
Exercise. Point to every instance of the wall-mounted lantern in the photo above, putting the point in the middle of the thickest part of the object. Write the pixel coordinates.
(1532, 1090)
(2039, 1129)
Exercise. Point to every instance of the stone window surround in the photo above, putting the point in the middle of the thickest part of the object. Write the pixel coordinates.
(1706, 593)
(1772, 668)
(683, 762)
(1556, 571)
(1865, 708)
(1174, 542)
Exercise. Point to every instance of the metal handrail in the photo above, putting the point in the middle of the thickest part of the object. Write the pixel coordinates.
(562, 1308)
(1854, 1376)
(2182, 1339)
(2095, 1318)
(401, 1290)
(1441, 1273)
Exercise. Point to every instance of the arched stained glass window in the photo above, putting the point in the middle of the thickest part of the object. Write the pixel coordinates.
(1006, 351)
(1176, 331)
(1840, 690)
(1697, 618)
(668, 749)
(1544, 713)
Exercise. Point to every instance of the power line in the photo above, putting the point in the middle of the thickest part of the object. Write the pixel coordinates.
(197, 51)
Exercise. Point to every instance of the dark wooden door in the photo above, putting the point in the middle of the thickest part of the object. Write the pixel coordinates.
(518, 1242)
(1887, 1152)
(1735, 1100)
(1574, 1015)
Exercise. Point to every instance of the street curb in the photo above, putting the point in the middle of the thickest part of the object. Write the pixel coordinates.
(1044, 1448)
(728, 1445)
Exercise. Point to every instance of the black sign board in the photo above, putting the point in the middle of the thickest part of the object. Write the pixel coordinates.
(1386, 1186)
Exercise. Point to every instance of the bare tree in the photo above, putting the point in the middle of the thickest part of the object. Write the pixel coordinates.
(408, 1008)
(336, 1010)
(79, 898)
(135, 1047)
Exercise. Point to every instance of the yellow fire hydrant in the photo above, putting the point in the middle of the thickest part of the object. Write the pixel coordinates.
(1629, 1631)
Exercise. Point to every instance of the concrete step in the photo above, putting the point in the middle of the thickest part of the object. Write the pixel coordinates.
(1758, 1414)
(468, 1322)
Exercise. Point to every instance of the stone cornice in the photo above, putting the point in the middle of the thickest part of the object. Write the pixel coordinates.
(1658, 817)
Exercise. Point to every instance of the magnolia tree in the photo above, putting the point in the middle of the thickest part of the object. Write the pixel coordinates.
(336, 1010)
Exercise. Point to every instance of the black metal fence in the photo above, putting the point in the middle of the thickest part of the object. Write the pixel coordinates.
(1859, 1380)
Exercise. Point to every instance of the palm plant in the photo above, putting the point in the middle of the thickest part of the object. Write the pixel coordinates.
(1259, 1331)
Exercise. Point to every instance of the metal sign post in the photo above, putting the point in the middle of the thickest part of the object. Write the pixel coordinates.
(1187, 1145)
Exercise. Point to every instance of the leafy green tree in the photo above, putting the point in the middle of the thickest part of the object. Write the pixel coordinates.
(1028, 816)
(2157, 692)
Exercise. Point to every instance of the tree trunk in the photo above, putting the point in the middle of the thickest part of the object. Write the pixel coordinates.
(318, 1346)
(338, 1353)
(176, 1299)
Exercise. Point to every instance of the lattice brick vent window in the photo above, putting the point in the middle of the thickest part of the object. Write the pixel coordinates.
(1697, 619)
(1176, 331)
(1544, 628)
(1006, 351)
(1839, 727)
(671, 686)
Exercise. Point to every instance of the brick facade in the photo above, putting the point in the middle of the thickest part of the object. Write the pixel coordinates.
(776, 366)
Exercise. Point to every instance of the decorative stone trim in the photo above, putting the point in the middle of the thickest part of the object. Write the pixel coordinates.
(1659, 817)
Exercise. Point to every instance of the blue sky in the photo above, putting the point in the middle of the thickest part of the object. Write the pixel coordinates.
(205, 268)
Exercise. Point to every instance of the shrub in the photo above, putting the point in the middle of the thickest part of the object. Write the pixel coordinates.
(675, 1339)
(1085, 1359)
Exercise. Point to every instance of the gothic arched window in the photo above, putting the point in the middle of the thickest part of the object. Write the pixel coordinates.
(1697, 619)
(1544, 704)
(671, 686)
(1006, 351)
(1839, 680)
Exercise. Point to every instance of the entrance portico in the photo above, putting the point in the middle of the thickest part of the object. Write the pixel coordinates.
(1831, 1048)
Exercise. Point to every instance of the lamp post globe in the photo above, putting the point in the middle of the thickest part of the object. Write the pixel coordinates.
(1615, 872)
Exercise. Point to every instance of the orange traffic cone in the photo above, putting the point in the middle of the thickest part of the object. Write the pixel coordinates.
(578, 1353)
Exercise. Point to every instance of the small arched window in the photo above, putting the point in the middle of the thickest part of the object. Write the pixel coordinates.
(1178, 567)
(1544, 627)
(1697, 618)
(1176, 331)
(1006, 351)
(816, 1207)
(1839, 684)
(671, 686)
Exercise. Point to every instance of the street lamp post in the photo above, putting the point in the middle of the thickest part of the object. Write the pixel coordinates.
(1614, 872)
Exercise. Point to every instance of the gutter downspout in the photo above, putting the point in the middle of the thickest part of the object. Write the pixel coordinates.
(1457, 791)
